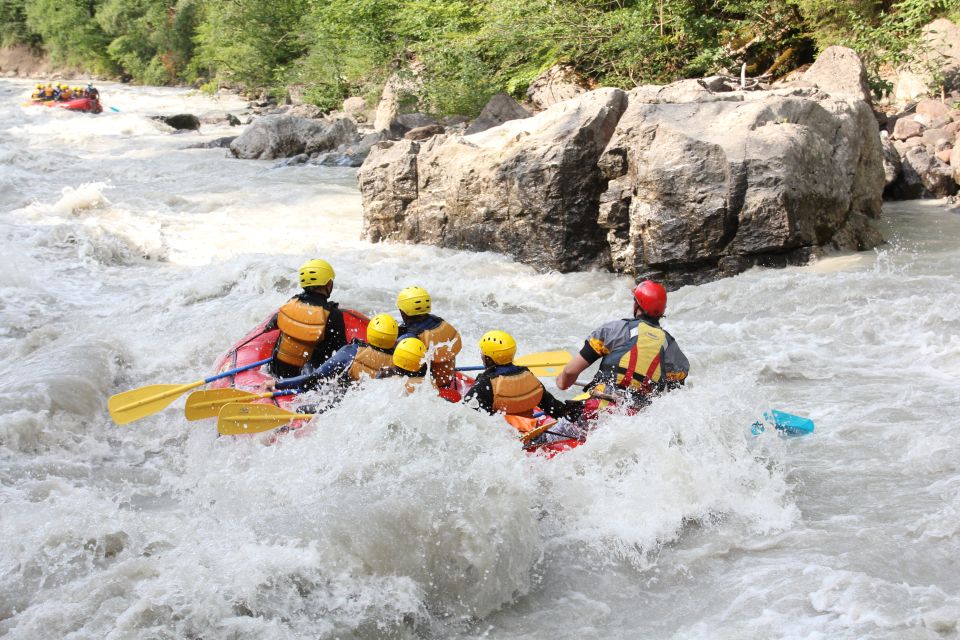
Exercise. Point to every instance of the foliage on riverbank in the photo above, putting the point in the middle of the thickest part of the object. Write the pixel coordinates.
(470, 49)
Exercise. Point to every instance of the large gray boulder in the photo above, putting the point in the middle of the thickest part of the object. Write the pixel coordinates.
(707, 189)
(683, 191)
(284, 136)
(528, 188)
(840, 72)
(556, 84)
(501, 108)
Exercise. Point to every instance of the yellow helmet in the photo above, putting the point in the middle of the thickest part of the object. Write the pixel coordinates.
(414, 301)
(408, 355)
(382, 331)
(39, 85)
(316, 273)
(499, 346)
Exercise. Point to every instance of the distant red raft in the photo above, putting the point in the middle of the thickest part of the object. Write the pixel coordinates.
(86, 105)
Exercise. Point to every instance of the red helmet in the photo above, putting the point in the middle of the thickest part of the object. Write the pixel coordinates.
(652, 298)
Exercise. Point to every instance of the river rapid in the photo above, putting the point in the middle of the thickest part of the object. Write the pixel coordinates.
(129, 261)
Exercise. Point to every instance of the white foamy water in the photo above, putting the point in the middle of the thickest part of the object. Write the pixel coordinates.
(131, 261)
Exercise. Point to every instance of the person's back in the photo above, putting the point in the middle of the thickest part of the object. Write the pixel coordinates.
(352, 363)
(442, 339)
(311, 326)
(636, 355)
(506, 388)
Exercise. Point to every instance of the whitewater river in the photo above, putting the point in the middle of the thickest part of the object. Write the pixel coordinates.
(129, 261)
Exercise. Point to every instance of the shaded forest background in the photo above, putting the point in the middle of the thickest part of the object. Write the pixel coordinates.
(468, 50)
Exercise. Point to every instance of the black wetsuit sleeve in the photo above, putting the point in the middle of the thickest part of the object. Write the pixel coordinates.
(334, 339)
(570, 409)
(588, 353)
(482, 390)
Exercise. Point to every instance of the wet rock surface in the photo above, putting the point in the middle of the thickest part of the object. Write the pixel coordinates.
(284, 136)
(675, 182)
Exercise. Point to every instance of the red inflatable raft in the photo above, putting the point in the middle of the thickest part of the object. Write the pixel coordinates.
(259, 343)
(86, 105)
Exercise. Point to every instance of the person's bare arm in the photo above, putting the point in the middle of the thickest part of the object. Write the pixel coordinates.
(570, 372)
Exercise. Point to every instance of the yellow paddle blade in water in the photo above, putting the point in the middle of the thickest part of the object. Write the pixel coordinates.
(596, 391)
(238, 419)
(545, 363)
(139, 403)
(208, 403)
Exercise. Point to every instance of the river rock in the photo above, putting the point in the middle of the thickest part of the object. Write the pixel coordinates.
(219, 118)
(400, 90)
(940, 47)
(405, 122)
(218, 143)
(923, 176)
(706, 189)
(501, 108)
(682, 191)
(955, 162)
(937, 139)
(529, 187)
(906, 128)
(350, 155)
(933, 109)
(840, 72)
(891, 160)
(356, 107)
(182, 121)
(422, 133)
(944, 155)
(272, 137)
(558, 83)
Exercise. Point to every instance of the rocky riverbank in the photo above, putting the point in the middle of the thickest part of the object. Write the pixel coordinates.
(686, 182)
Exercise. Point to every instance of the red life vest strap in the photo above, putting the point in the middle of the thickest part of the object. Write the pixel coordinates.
(632, 367)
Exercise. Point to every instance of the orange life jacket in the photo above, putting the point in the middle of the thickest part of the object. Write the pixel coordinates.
(517, 394)
(302, 326)
(368, 362)
(446, 340)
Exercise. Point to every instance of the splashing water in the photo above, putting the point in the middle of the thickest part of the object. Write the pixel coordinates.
(131, 261)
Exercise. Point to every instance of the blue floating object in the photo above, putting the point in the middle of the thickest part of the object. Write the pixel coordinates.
(789, 423)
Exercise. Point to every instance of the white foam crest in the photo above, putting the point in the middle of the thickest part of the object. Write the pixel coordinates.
(81, 199)
(47, 373)
(641, 479)
(387, 486)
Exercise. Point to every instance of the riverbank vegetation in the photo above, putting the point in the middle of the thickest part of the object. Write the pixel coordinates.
(468, 49)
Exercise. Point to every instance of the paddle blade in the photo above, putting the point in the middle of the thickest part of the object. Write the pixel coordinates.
(239, 419)
(208, 403)
(139, 403)
(544, 359)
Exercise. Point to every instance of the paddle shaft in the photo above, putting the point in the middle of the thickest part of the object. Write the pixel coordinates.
(193, 385)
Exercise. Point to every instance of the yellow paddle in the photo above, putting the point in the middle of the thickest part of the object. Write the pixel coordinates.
(139, 403)
(544, 363)
(239, 419)
(207, 403)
